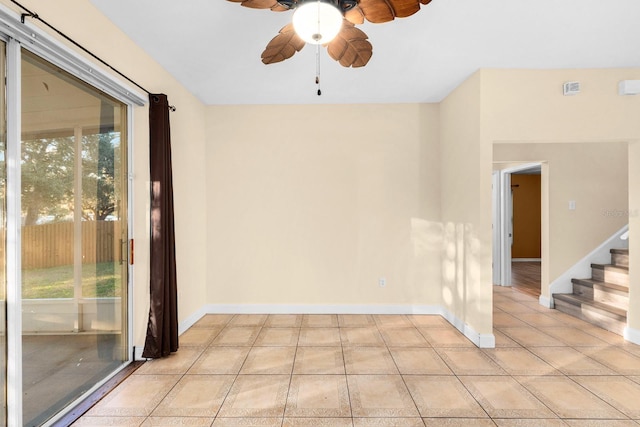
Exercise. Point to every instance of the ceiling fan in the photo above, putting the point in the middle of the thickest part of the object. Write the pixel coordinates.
(331, 23)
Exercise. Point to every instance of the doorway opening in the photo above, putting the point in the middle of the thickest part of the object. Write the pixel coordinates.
(517, 230)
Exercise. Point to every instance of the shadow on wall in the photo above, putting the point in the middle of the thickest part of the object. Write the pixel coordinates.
(426, 265)
(449, 254)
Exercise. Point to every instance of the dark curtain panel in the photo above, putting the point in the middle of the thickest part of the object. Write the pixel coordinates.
(162, 330)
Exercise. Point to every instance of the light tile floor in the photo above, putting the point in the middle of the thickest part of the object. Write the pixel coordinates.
(548, 369)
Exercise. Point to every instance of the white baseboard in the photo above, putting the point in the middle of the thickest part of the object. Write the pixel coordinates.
(486, 341)
(137, 353)
(546, 301)
(191, 320)
(632, 335)
(182, 328)
(480, 340)
(319, 309)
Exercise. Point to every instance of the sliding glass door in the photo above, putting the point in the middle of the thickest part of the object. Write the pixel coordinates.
(73, 237)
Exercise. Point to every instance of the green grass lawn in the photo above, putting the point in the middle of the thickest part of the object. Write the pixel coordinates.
(98, 280)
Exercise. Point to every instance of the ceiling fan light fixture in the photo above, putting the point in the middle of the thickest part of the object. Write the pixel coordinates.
(317, 22)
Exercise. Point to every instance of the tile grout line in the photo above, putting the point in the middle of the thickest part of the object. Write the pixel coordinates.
(597, 397)
(402, 376)
(378, 328)
(293, 364)
(346, 379)
(528, 348)
(516, 380)
(563, 374)
(471, 394)
(235, 377)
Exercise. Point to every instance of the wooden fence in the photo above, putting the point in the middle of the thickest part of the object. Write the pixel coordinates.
(52, 245)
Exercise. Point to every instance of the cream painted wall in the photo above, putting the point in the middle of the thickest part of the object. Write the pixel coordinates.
(528, 105)
(519, 106)
(82, 22)
(525, 106)
(311, 205)
(594, 175)
(465, 215)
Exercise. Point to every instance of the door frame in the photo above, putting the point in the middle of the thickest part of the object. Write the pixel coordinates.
(24, 35)
(502, 220)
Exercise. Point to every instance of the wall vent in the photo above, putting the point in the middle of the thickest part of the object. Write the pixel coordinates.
(629, 87)
(571, 88)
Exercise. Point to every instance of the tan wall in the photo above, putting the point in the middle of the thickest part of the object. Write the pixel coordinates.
(313, 204)
(82, 22)
(528, 105)
(525, 106)
(526, 216)
(594, 175)
(466, 216)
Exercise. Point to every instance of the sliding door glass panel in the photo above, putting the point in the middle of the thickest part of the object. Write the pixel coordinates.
(73, 198)
(3, 238)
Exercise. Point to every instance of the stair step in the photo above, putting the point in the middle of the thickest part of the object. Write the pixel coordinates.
(608, 293)
(620, 257)
(606, 309)
(609, 273)
(608, 317)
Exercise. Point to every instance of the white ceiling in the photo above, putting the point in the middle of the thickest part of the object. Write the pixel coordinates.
(213, 47)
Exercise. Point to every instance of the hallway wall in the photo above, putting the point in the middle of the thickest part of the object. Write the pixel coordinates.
(595, 177)
(527, 106)
(466, 214)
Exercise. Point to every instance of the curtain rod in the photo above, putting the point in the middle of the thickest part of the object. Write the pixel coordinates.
(33, 15)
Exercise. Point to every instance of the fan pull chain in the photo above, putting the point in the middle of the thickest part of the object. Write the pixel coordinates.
(318, 69)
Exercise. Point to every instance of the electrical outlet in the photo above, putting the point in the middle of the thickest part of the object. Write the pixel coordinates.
(382, 282)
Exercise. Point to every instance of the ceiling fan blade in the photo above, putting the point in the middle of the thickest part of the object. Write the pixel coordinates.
(354, 15)
(261, 4)
(378, 11)
(283, 46)
(350, 47)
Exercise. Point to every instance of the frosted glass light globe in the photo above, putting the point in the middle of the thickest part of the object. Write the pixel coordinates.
(317, 22)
